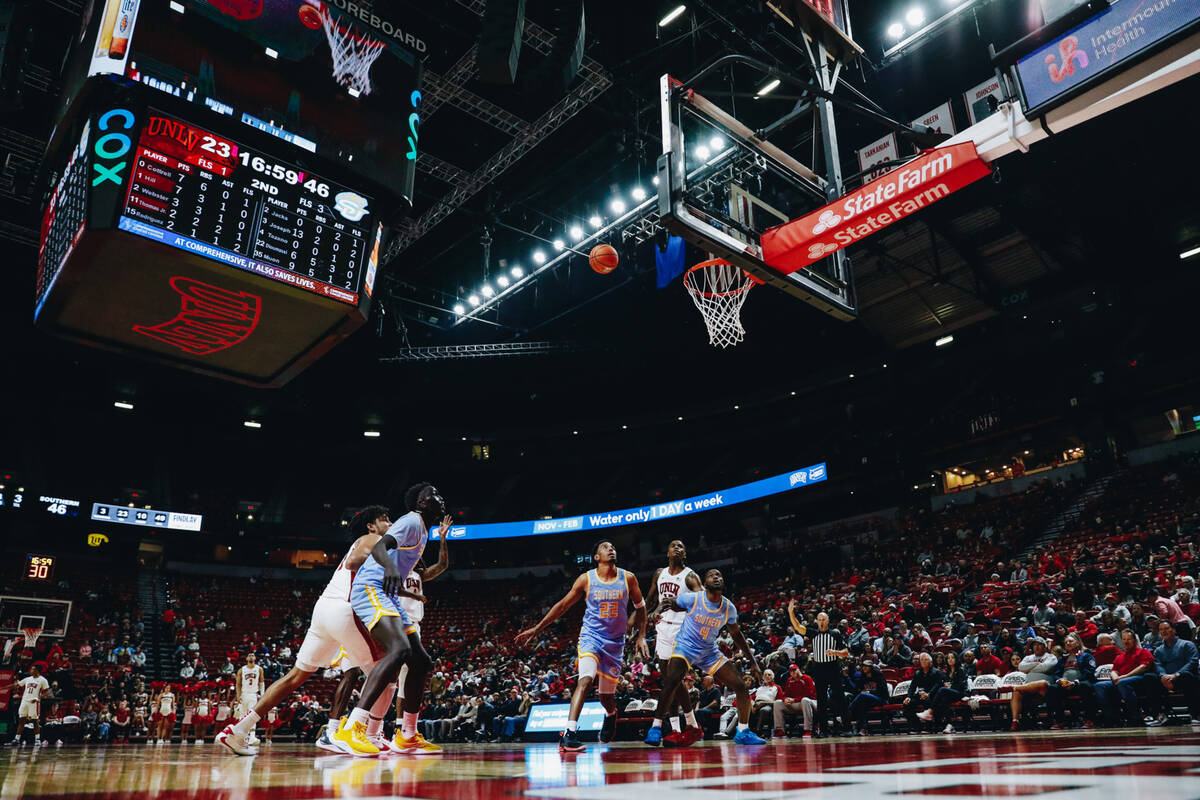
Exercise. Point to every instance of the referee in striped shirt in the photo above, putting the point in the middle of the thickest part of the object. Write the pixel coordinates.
(826, 646)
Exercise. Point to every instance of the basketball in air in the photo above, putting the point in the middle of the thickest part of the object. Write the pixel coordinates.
(603, 258)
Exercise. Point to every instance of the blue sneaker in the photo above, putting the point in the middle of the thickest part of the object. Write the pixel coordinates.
(654, 737)
(748, 736)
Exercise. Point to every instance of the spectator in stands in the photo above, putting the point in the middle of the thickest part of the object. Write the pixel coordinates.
(921, 687)
(1106, 652)
(898, 655)
(1133, 676)
(920, 639)
(799, 697)
(1075, 680)
(1025, 632)
(1175, 660)
(1169, 610)
(859, 639)
(509, 714)
(790, 645)
(958, 627)
(1041, 668)
(1118, 609)
(1019, 573)
(1151, 639)
(872, 692)
(971, 640)
(1086, 629)
(988, 663)
(708, 707)
(1192, 609)
(953, 688)
(764, 698)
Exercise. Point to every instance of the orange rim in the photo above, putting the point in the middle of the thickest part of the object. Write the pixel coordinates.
(717, 262)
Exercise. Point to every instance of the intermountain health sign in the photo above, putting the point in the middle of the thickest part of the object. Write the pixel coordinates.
(882, 202)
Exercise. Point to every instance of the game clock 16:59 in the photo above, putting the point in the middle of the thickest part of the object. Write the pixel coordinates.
(38, 568)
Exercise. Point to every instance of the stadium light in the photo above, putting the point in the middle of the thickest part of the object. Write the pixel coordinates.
(559, 244)
(123, 404)
(895, 30)
(942, 342)
(272, 52)
(502, 281)
(252, 424)
(177, 7)
(768, 88)
(371, 434)
(671, 16)
(473, 300)
(459, 309)
(654, 180)
(576, 233)
(595, 221)
(539, 257)
(517, 272)
(1189, 253)
(717, 144)
(638, 193)
(617, 205)
(702, 153)
(915, 16)
(487, 290)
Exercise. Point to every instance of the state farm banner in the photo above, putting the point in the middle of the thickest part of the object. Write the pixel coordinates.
(903, 191)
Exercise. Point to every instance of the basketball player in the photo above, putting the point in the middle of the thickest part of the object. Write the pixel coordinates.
(607, 590)
(415, 583)
(667, 584)
(33, 689)
(247, 682)
(333, 629)
(705, 614)
(372, 593)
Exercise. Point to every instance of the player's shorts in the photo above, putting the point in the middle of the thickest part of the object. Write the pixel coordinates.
(335, 637)
(370, 605)
(30, 709)
(709, 661)
(602, 658)
(664, 638)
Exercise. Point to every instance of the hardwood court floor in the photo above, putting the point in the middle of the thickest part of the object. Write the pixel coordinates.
(1162, 764)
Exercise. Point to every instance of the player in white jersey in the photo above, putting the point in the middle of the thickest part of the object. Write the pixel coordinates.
(669, 582)
(334, 626)
(33, 689)
(248, 683)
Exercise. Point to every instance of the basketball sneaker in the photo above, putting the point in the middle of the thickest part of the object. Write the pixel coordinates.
(609, 729)
(235, 742)
(747, 736)
(654, 737)
(690, 735)
(568, 742)
(354, 736)
(416, 745)
(325, 743)
(381, 741)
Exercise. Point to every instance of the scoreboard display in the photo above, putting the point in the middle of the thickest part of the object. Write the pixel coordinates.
(200, 192)
(38, 568)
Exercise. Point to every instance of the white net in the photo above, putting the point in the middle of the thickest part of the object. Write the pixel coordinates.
(31, 636)
(353, 54)
(719, 289)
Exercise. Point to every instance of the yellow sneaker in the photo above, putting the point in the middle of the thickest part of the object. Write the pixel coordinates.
(354, 736)
(416, 746)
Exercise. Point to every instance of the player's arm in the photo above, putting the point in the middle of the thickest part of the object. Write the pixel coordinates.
(578, 590)
(639, 613)
(796, 624)
(443, 562)
(360, 551)
(652, 598)
(693, 582)
(393, 581)
(735, 631)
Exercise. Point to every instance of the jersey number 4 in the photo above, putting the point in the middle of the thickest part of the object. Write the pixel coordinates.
(609, 610)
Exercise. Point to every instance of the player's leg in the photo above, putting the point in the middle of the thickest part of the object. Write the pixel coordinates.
(388, 631)
(672, 679)
(728, 675)
(416, 672)
(608, 673)
(588, 664)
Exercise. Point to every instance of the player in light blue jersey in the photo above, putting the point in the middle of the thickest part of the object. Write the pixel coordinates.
(696, 648)
(372, 596)
(608, 591)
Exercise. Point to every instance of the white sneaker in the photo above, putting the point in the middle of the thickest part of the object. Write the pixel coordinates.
(948, 729)
(926, 715)
(198, 741)
(236, 743)
(382, 743)
(720, 735)
(252, 739)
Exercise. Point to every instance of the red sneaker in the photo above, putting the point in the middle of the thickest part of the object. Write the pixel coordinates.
(675, 739)
(778, 734)
(690, 736)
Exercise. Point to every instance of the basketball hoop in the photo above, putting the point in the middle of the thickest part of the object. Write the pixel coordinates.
(353, 54)
(31, 636)
(719, 289)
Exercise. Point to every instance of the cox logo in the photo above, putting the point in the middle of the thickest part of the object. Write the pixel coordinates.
(112, 146)
(798, 477)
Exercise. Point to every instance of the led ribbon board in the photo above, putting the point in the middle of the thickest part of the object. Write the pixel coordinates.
(634, 516)
(146, 517)
(1109, 42)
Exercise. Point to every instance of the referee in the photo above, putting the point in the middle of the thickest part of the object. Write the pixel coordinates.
(826, 647)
